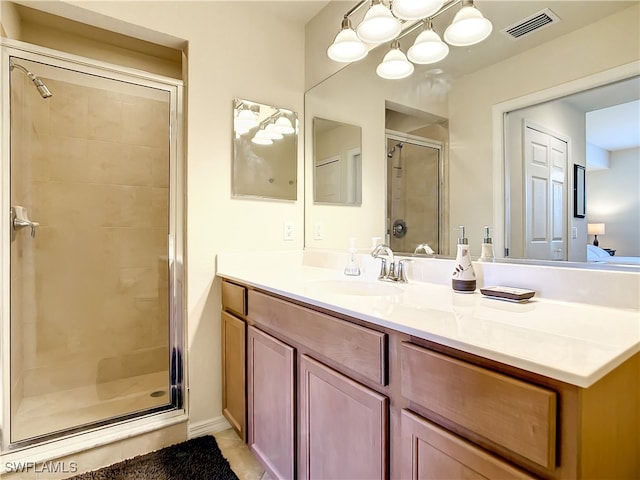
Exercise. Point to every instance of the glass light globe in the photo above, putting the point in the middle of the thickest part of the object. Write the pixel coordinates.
(428, 48)
(347, 47)
(468, 28)
(246, 120)
(395, 65)
(378, 25)
(415, 9)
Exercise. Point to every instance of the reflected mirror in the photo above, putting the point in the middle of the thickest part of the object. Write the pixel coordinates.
(265, 149)
(337, 166)
(576, 53)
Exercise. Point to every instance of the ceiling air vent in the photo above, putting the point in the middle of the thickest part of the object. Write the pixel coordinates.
(530, 24)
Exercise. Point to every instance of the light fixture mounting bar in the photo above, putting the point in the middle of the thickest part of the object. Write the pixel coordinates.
(355, 8)
(413, 27)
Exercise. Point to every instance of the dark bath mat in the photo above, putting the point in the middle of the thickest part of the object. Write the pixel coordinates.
(196, 459)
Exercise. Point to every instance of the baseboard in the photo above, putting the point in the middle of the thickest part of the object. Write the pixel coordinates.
(208, 427)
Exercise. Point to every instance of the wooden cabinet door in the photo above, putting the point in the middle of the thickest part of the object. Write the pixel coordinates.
(432, 453)
(344, 427)
(271, 411)
(233, 373)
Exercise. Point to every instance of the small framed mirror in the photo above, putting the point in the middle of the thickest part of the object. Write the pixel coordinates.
(265, 146)
(337, 162)
(579, 192)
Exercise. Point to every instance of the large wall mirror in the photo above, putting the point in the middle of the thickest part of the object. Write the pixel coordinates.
(478, 188)
(265, 140)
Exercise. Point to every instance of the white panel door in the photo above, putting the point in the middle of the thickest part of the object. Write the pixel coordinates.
(545, 159)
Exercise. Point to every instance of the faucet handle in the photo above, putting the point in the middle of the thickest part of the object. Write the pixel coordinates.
(383, 269)
(402, 271)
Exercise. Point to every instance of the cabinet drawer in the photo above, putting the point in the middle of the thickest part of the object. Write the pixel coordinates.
(509, 412)
(360, 349)
(234, 298)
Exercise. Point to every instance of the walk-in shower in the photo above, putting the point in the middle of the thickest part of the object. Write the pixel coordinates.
(413, 192)
(91, 258)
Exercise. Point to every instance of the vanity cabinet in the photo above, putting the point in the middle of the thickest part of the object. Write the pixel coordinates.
(331, 396)
(233, 340)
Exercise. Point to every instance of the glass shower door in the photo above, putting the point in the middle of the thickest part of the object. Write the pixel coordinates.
(90, 300)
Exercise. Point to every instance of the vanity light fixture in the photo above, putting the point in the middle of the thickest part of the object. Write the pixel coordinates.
(382, 24)
(379, 25)
(395, 65)
(347, 47)
(468, 27)
(428, 47)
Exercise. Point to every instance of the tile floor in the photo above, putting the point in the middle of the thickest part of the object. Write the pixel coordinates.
(242, 461)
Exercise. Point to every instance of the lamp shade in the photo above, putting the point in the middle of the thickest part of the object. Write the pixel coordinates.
(395, 65)
(595, 228)
(378, 25)
(468, 27)
(415, 9)
(428, 48)
(347, 47)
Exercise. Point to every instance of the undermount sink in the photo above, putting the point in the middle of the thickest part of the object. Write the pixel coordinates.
(355, 287)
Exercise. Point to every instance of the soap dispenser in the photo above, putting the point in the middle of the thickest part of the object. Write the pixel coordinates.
(487, 246)
(352, 267)
(464, 278)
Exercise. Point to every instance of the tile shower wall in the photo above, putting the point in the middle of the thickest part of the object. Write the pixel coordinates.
(99, 188)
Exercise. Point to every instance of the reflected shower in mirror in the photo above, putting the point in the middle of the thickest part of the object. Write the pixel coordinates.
(337, 172)
(265, 140)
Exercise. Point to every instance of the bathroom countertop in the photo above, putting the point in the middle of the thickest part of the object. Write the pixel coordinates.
(571, 342)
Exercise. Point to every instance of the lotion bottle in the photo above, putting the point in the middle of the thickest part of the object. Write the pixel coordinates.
(463, 279)
(352, 267)
(487, 247)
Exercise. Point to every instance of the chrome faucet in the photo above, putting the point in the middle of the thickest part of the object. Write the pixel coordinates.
(388, 270)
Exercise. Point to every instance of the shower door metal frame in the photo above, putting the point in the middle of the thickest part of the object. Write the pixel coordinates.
(442, 171)
(176, 240)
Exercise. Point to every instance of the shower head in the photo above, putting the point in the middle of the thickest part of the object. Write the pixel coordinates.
(393, 150)
(42, 88)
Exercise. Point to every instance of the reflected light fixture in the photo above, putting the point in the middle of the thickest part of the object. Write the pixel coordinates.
(272, 133)
(378, 25)
(245, 120)
(261, 138)
(468, 26)
(395, 65)
(428, 47)
(283, 125)
(415, 9)
(347, 47)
